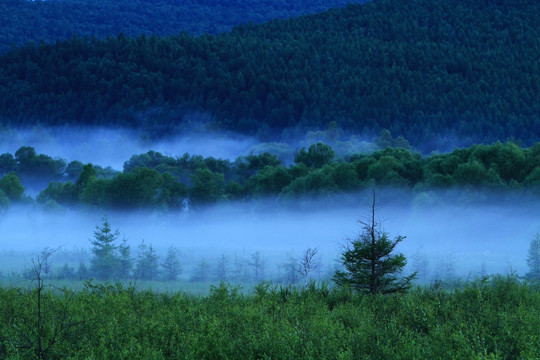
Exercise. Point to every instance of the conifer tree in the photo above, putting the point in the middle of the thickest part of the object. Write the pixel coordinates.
(171, 265)
(370, 266)
(147, 262)
(126, 262)
(105, 260)
(533, 259)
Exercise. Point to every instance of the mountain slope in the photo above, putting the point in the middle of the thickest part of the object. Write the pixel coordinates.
(428, 70)
(23, 20)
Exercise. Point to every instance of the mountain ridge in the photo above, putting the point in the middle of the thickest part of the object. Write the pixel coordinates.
(427, 70)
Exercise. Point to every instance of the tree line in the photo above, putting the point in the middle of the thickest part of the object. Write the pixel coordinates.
(153, 180)
(426, 70)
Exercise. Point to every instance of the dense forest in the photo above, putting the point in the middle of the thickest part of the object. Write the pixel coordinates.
(436, 72)
(50, 20)
(153, 180)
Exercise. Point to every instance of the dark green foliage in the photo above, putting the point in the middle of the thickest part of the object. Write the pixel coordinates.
(316, 156)
(370, 266)
(428, 71)
(495, 318)
(533, 259)
(101, 18)
(12, 187)
(7, 163)
(105, 261)
(207, 187)
(155, 181)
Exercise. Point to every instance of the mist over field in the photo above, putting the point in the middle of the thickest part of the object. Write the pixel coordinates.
(106, 146)
(112, 147)
(441, 239)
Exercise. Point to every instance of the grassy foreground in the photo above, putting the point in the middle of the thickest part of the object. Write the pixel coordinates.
(493, 318)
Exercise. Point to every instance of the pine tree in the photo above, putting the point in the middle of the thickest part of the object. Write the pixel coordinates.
(126, 262)
(369, 264)
(222, 267)
(171, 265)
(105, 261)
(200, 272)
(147, 262)
(257, 264)
(533, 260)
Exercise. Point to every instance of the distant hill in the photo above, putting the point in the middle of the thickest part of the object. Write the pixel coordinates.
(433, 71)
(24, 20)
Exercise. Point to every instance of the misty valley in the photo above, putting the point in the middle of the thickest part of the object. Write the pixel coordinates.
(211, 179)
(249, 213)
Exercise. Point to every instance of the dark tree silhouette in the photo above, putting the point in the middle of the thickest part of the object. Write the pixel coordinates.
(369, 264)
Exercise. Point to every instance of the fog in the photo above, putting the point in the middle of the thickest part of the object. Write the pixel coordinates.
(464, 240)
(112, 147)
(445, 236)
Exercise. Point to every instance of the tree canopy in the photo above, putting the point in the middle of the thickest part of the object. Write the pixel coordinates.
(433, 72)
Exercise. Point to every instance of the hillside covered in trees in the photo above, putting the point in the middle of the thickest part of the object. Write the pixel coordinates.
(431, 71)
(49, 20)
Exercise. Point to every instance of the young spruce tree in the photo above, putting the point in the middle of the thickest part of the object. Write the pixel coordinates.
(369, 264)
(533, 260)
(105, 261)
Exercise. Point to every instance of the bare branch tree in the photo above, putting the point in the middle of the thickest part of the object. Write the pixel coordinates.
(309, 262)
(52, 318)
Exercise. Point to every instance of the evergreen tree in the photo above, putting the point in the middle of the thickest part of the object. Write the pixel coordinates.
(105, 260)
(369, 264)
(126, 262)
(147, 262)
(533, 260)
(201, 271)
(257, 264)
(222, 268)
(82, 272)
(171, 265)
(290, 268)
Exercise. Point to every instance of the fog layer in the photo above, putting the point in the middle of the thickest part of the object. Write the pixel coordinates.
(473, 238)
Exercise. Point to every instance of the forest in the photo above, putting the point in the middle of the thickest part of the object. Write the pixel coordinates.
(439, 74)
(156, 181)
(25, 21)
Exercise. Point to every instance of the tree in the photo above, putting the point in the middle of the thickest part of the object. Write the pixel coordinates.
(316, 156)
(369, 264)
(533, 259)
(290, 268)
(207, 186)
(105, 261)
(171, 265)
(126, 262)
(147, 262)
(309, 262)
(200, 273)
(12, 186)
(257, 264)
(420, 265)
(222, 267)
